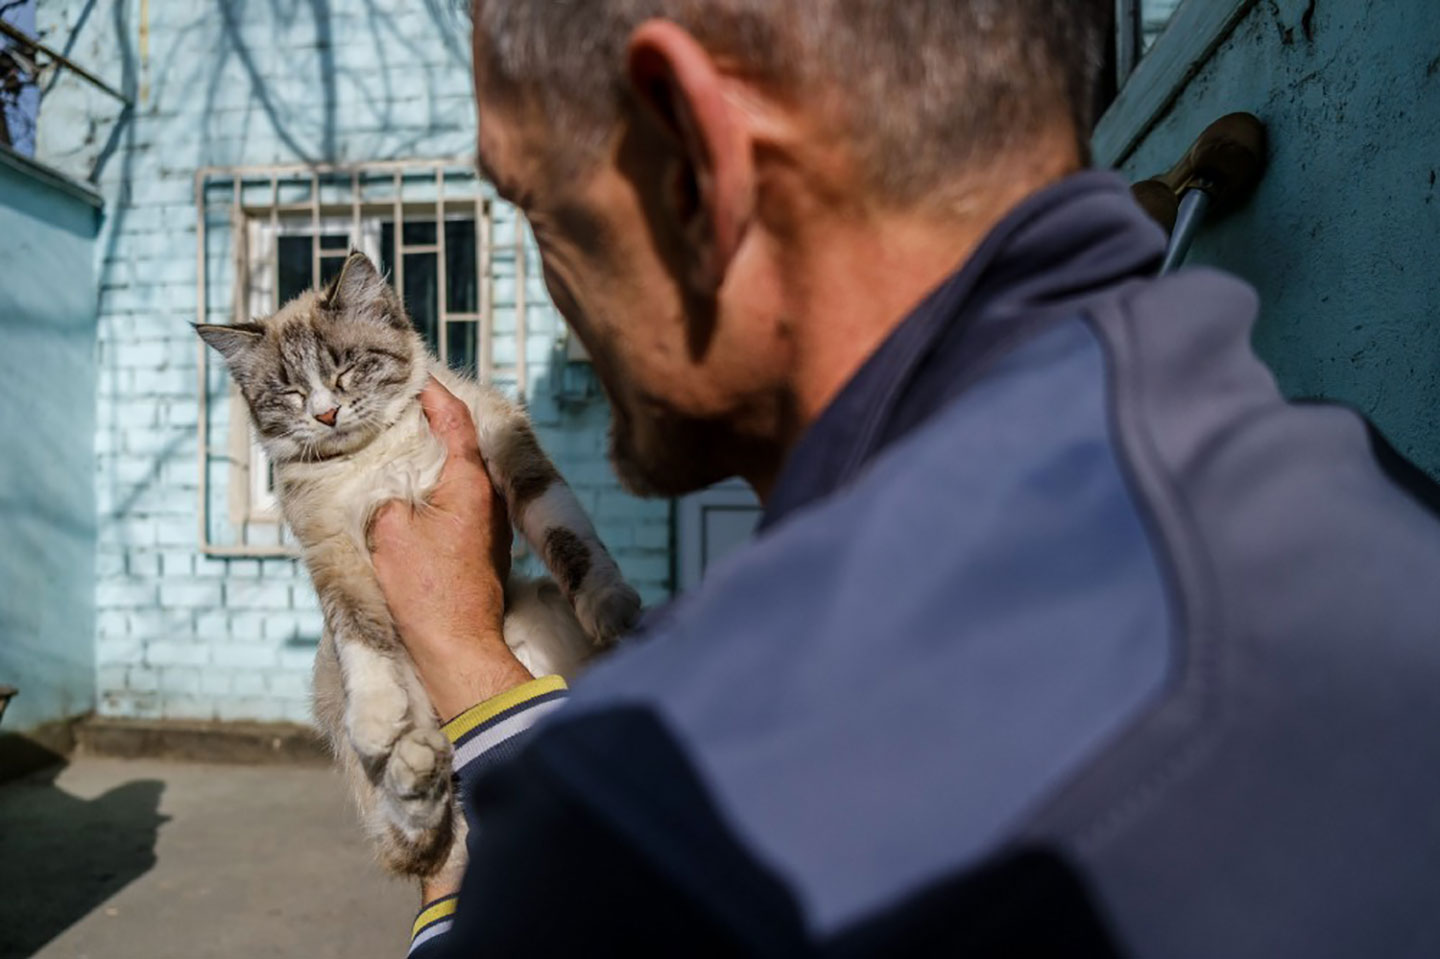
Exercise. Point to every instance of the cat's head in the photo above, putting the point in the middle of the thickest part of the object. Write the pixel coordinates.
(331, 370)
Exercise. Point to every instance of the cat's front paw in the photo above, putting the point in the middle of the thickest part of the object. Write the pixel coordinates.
(607, 612)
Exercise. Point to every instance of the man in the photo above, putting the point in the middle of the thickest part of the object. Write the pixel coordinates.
(1063, 633)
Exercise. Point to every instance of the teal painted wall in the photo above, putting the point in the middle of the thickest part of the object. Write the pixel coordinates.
(1343, 238)
(47, 445)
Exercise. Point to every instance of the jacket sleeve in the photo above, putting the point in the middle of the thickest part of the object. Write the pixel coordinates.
(601, 838)
(482, 736)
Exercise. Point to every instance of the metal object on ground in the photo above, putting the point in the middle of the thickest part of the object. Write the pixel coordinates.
(1218, 173)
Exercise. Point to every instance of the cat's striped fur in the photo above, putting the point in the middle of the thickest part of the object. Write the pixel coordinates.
(332, 381)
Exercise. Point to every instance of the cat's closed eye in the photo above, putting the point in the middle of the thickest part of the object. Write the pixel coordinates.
(295, 398)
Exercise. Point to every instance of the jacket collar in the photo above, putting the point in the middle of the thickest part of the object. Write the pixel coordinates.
(1054, 251)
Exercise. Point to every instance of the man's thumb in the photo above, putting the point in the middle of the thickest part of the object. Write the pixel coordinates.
(450, 421)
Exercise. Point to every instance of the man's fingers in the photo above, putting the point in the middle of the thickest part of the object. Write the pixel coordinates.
(450, 421)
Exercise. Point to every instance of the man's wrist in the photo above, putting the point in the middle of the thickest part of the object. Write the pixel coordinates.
(459, 674)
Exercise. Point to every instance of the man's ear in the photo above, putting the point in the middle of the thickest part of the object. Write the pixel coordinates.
(360, 290)
(231, 341)
(710, 188)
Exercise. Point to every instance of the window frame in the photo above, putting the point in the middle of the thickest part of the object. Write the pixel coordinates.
(255, 206)
(1149, 85)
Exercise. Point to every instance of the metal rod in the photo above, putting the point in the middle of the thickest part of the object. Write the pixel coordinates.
(356, 240)
(442, 319)
(202, 414)
(1193, 207)
(399, 230)
(265, 171)
(30, 43)
(314, 231)
(483, 291)
(521, 309)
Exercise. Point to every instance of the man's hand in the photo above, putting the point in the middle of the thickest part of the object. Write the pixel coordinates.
(443, 568)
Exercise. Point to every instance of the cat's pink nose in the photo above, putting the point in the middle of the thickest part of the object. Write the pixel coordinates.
(328, 417)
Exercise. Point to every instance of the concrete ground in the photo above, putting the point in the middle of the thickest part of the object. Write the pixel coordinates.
(114, 859)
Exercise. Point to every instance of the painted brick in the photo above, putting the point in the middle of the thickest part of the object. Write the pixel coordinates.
(111, 624)
(180, 679)
(247, 626)
(289, 685)
(214, 683)
(124, 594)
(249, 684)
(141, 680)
(199, 595)
(170, 653)
(297, 658)
(258, 595)
(118, 652)
(187, 707)
(243, 656)
(652, 536)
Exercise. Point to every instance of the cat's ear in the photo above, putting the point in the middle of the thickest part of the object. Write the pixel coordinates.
(232, 341)
(359, 290)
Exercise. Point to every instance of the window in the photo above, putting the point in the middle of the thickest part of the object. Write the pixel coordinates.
(1159, 45)
(460, 257)
(1140, 23)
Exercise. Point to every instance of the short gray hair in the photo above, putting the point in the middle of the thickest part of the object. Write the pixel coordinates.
(922, 88)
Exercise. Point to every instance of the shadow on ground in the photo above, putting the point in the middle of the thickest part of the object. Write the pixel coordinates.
(62, 855)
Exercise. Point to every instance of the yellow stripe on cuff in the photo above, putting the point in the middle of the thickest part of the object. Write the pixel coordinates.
(490, 708)
(441, 909)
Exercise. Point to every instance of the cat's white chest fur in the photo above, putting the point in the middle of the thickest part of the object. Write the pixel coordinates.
(339, 497)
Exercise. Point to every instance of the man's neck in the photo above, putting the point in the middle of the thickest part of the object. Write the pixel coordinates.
(853, 280)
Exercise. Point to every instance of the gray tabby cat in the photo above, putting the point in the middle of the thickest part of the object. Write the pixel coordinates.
(332, 381)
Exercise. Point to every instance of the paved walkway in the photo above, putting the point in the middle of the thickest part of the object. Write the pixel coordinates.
(114, 859)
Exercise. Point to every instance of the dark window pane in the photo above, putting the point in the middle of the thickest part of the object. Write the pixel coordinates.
(420, 297)
(387, 248)
(296, 268)
(335, 241)
(460, 266)
(419, 232)
(330, 267)
(464, 350)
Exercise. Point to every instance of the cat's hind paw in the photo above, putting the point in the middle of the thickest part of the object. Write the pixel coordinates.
(418, 774)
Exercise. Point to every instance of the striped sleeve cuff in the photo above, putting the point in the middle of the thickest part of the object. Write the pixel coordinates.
(432, 924)
(489, 733)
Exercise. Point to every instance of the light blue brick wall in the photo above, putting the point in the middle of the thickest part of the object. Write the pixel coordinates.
(249, 82)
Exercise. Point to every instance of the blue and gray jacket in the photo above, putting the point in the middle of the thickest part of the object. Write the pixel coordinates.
(1063, 634)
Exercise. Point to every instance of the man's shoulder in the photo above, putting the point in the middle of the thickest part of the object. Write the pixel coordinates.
(985, 590)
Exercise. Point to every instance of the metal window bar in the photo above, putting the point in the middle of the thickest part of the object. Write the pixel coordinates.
(427, 191)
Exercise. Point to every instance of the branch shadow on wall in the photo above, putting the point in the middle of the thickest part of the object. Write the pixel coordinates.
(64, 855)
